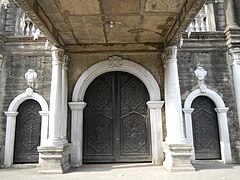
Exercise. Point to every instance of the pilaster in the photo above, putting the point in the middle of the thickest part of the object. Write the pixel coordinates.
(156, 131)
(77, 132)
(9, 141)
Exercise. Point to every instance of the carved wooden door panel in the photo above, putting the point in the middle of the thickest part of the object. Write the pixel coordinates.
(28, 131)
(116, 126)
(205, 129)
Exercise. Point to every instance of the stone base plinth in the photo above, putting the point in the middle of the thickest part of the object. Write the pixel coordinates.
(54, 159)
(177, 157)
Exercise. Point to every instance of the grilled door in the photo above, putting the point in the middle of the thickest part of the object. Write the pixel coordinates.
(205, 129)
(28, 131)
(116, 125)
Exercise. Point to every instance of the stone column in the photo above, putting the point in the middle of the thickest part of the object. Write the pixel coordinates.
(77, 132)
(232, 30)
(235, 61)
(55, 116)
(64, 98)
(156, 131)
(54, 156)
(230, 13)
(177, 151)
(173, 107)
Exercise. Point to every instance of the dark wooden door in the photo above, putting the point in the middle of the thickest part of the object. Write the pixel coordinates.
(28, 131)
(116, 125)
(205, 129)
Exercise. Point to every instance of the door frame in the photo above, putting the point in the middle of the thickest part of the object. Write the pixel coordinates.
(221, 110)
(116, 63)
(11, 122)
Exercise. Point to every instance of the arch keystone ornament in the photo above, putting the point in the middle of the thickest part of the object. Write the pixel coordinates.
(116, 63)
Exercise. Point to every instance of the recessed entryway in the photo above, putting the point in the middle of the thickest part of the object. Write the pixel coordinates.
(205, 129)
(116, 120)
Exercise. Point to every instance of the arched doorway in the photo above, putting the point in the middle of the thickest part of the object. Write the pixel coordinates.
(12, 119)
(28, 132)
(205, 129)
(112, 64)
(116, 124)
(221, 111)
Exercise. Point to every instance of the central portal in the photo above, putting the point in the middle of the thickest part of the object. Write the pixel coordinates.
(116, 120)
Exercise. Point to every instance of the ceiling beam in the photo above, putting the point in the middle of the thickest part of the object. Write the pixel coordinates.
(185, 17)
(39, 18)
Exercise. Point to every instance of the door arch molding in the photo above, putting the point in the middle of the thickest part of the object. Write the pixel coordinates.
(116, 63)
(221, 110)
(11, 122)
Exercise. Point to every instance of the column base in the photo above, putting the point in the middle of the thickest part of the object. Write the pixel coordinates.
(54, 159)
(238, 149)
(177, 157)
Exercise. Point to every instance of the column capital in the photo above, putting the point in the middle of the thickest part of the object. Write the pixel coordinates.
(221, 110)
(155, 104)
(170, 55)
(57, 55)
(188, 110)
(235, 56)
(77, 105)
(65, 63)
(11, 113)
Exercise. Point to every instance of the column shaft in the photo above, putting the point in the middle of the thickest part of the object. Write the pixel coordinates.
(55, 116)
(235, 58)
(64, 99)
(173, 107)
(230, 13)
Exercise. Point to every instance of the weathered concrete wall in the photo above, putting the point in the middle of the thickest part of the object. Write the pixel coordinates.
(209, 51)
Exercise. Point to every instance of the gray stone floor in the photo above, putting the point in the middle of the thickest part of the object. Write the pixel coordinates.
(138, 171)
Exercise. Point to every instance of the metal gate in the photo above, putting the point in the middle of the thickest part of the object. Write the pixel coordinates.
(116, 123)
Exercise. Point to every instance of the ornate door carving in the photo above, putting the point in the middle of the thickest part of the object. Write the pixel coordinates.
(205, 129)
(116, 127)
(28, 131)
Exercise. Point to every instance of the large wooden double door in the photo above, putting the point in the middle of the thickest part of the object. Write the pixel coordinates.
(116, 124)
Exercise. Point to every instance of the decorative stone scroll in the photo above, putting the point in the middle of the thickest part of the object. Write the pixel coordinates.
(200, 73)
(31, 77)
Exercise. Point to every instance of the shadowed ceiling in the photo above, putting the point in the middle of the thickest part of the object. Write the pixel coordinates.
(72, 23)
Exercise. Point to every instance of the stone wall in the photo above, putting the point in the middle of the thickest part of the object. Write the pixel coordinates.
(237, 7)
(209, 51)
(13, 67)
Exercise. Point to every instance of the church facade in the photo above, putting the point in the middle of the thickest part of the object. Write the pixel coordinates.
(110, 82)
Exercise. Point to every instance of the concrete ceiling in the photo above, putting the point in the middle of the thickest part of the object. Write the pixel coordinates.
(112, 24)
